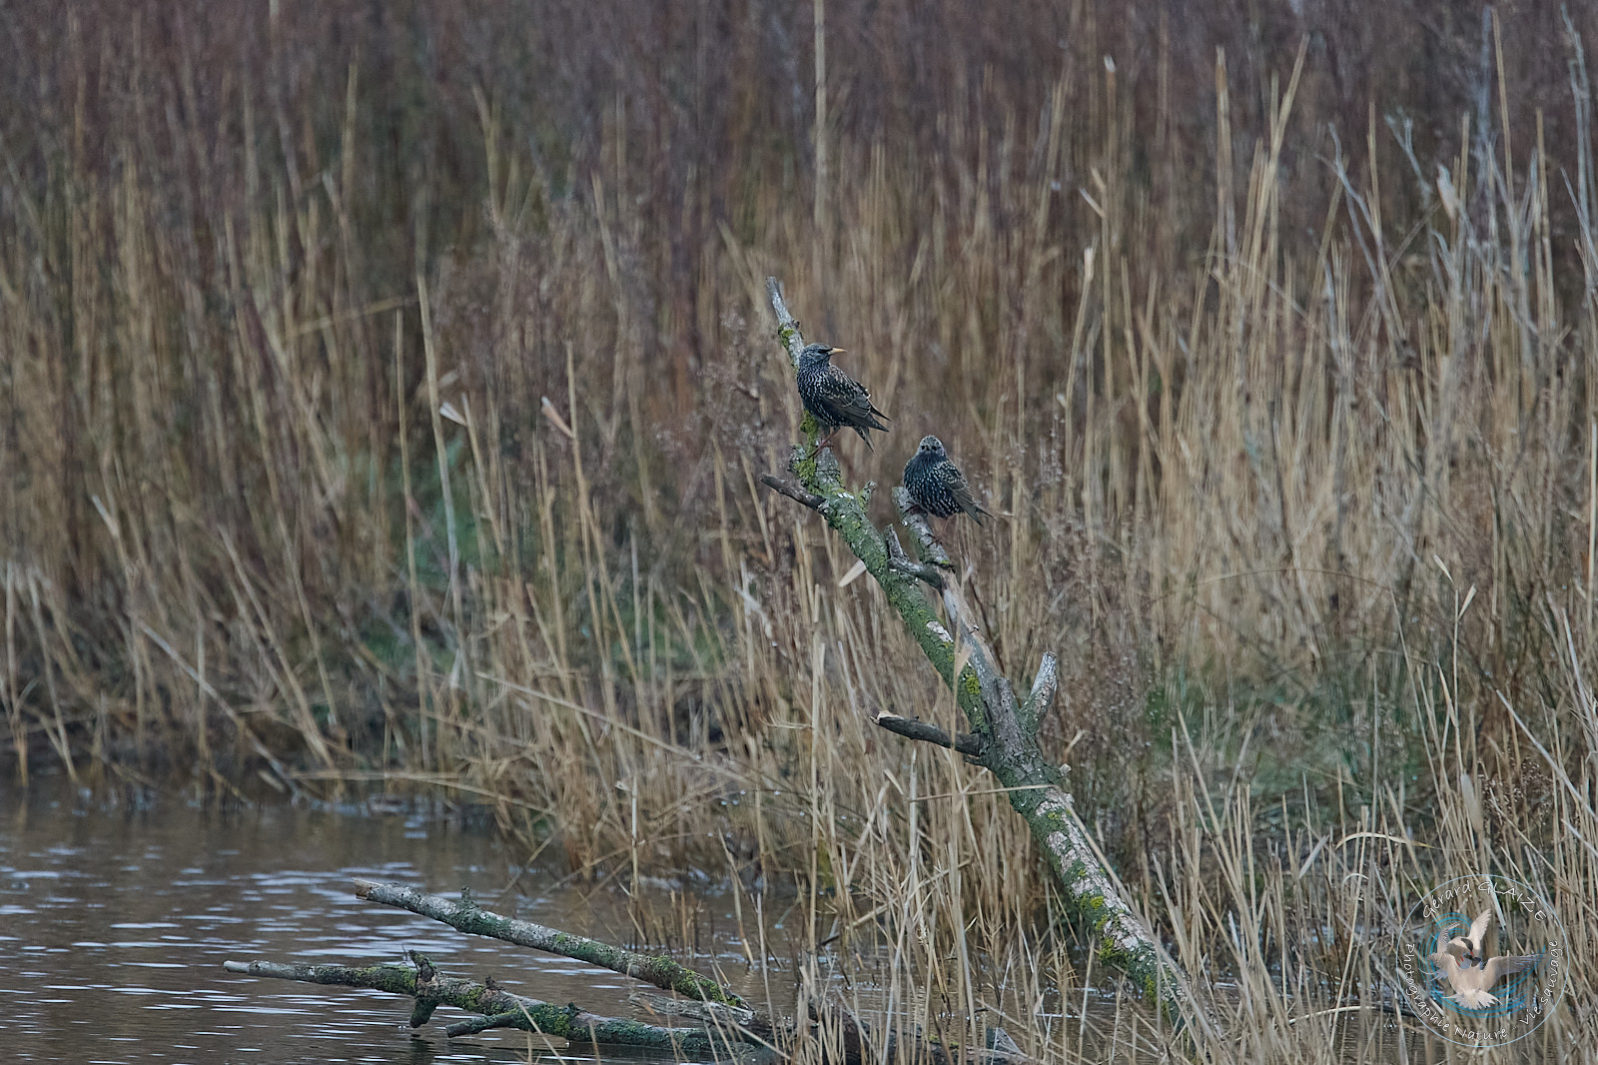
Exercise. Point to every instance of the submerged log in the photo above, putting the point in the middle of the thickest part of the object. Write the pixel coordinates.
(430, 989)
(468, 917)
(1003, 737)
(727, 1028)
(722, 1027)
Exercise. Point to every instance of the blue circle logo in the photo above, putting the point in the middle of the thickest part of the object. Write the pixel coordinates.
(1483, 960)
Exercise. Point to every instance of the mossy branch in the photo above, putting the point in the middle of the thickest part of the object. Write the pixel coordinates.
(845, 511)
(468, 917)
(502, 1008)
(1003, 730)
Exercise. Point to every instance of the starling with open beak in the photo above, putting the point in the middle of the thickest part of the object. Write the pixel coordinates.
(835, 399)
(936, 485)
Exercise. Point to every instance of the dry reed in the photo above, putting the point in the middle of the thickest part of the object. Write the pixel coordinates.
(386, 393)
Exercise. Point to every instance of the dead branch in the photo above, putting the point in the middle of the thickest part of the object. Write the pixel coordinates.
(1003, 729)
(913, 729)
(722, 1028)
(792, 491)
(1044, 688)
(708, 1013)
(468, 917)
(902, 562)
(506, 1009)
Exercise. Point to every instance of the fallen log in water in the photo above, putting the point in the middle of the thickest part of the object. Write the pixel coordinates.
(468, 917)
(501, 1009)
(722, 1025)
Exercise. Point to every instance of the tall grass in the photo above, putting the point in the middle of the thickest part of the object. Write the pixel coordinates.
(386, 390)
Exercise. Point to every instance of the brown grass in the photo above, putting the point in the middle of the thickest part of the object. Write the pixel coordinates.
(385, 395)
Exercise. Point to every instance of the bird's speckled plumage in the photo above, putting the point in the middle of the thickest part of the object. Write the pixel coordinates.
(835, 399)
(936, 485)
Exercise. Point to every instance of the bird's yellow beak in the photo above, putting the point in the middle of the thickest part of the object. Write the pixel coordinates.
(839, 351)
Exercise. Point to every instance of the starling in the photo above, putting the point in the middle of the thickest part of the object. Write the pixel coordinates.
(936, 484)
(835, 399)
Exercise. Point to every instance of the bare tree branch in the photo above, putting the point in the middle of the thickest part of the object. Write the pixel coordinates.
(715, 1014)
(1005, 730)
(914, 729)
(507, 1010)
(792, 491)
(902, 562)
(460, 1029)
(468, 917)
(1002, 717)
(915, 519)
(1044, 688)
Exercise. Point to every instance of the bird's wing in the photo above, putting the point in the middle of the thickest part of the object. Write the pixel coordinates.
(851, 399)
(961, 490)
(1505, 964)
(1449, 966)
(1478, 931)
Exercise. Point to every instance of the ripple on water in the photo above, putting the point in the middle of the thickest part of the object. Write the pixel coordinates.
(117, 937)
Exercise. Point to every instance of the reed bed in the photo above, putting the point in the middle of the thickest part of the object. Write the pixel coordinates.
(386, 393)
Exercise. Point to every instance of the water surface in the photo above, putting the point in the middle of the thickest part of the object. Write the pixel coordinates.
(115, 921)
(114, 924)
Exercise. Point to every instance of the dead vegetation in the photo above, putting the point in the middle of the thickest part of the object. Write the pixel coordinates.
(386, 394)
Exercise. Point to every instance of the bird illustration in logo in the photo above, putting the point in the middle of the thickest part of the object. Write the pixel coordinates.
(1463, 962)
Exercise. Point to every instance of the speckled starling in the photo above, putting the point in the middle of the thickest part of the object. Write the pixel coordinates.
(835, 399)
(936, 484)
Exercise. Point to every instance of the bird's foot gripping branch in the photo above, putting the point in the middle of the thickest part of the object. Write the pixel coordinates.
(1003, 736)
